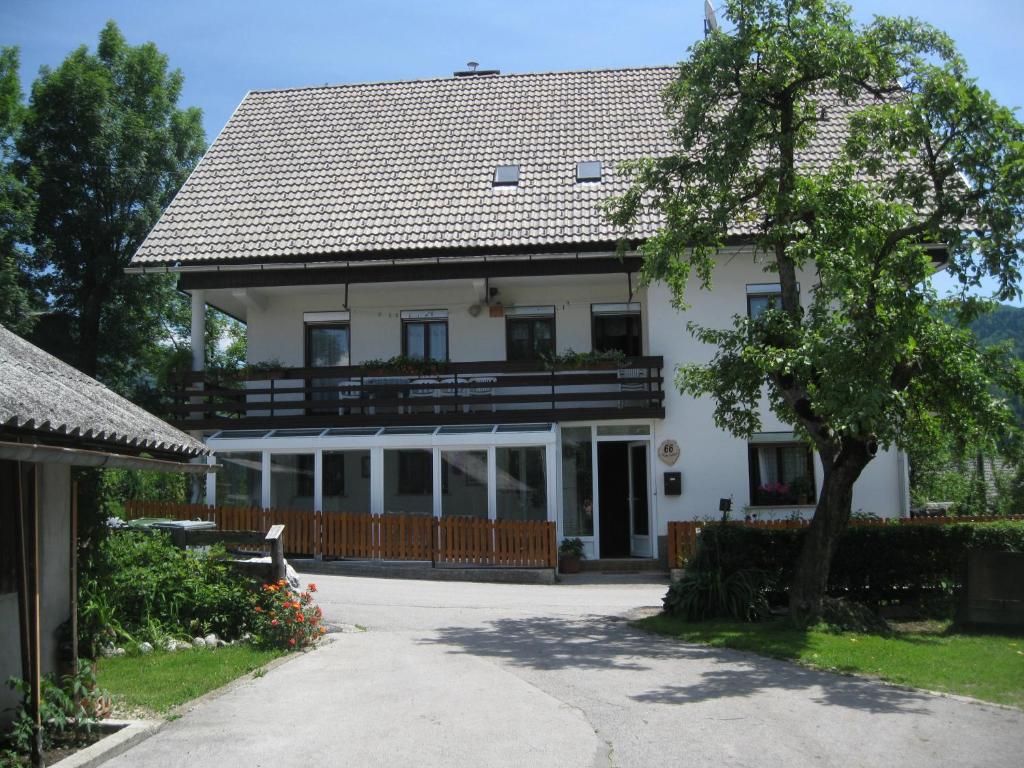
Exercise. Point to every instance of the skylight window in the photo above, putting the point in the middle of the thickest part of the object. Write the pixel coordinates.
(506, 176)
(588, 170)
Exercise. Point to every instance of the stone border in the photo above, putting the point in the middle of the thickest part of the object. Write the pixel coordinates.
(124, 734)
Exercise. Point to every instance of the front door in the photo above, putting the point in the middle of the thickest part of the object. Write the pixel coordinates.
(639, 507)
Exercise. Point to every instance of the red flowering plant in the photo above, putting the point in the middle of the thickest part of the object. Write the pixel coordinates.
(287, 618)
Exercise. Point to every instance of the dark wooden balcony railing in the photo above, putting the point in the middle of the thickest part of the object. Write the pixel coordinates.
(455, 393)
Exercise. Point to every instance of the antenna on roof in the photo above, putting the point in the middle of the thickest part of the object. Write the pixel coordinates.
(710, 20)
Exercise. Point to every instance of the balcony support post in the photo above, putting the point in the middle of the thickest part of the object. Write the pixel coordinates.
(198, 330)
(198, 364)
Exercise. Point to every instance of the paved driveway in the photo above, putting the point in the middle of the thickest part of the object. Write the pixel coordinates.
(451, 674)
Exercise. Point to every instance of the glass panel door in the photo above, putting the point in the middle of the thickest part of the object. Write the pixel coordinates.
(464, 483)
(639, 505)
(327, 346)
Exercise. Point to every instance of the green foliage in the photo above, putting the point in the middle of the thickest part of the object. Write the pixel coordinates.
(286, 618)
(985, 666)
(712, 594)
(571, 359)
(117, 486)
(18, 299)
(571, 547)
(846, 616)
(138, 580)
(70, 710)
(882, 562)
(867, 361)
(105, 147)
(158, 682)
(401, 364)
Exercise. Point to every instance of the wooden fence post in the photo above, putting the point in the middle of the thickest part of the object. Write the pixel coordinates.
(553, 556)
(435, 532)
(275, 537)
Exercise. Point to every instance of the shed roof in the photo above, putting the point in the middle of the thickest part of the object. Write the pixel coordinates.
(55, 403)
(348, 172)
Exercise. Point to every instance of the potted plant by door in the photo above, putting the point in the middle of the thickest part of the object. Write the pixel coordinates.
(570, 552)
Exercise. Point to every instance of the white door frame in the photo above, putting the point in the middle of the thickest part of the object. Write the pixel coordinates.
(593, 543)
(639, 544)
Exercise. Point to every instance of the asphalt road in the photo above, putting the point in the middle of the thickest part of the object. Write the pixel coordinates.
(455, 674)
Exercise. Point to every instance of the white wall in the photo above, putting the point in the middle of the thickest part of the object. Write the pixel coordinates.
(713, 463)
(276, 331)
(55, 588)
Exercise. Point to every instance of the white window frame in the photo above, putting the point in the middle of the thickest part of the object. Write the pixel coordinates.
(377, 444)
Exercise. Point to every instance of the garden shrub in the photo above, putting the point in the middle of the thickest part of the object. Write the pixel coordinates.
(873, 563)
(70, 710)
(741, 595)
(138, 585)
(286, 618)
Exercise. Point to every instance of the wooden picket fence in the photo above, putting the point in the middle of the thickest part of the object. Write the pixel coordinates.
(504, 543)
(447, 541)
(682, 534)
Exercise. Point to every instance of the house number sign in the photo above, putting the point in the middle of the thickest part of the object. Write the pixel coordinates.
(668, 451)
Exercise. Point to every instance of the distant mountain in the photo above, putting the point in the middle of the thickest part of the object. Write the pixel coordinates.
(1006, 323)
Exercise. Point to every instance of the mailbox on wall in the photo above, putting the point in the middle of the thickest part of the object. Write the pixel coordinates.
(673, 483)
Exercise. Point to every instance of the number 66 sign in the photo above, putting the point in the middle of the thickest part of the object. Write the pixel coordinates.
(668, 451)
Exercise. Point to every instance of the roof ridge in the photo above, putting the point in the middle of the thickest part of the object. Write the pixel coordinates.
(450, 78)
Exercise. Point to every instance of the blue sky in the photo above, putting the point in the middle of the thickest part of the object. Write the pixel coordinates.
(226, 47)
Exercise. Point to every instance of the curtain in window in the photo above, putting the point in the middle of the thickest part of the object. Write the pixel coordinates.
(794, 462)
(766, 466)
(328, 346)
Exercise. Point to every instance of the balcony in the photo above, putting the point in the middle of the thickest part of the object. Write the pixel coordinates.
(449, 393)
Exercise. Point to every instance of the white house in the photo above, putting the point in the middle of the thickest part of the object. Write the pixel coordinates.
(456, 222)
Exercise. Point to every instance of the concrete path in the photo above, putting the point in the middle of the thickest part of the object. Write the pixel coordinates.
(454, 674)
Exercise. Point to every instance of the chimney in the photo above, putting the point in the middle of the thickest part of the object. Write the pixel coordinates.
(472, 71)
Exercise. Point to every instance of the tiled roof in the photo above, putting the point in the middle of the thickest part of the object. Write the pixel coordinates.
(349, 171)
(51, 399)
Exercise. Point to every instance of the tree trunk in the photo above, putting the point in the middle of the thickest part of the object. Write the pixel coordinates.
(89, 335)
(810, 580)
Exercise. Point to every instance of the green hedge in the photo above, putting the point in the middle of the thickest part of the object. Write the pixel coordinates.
(872, 562)
(138, 586)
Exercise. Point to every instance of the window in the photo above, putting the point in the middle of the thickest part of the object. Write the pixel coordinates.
(464, 483)
(616, 330)
(763, 296)
(291, 480)
(239, 481)
(327, 345)
(522, 486)
(529, 338)
(781, 474)
(425, 339)
(409, 482)
(506, 176)
(577, 481)
(589, 170)
(415, 472)
(346, 481)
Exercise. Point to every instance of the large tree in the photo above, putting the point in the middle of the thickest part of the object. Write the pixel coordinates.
(869, 361)
(18, 301)
(105, 146)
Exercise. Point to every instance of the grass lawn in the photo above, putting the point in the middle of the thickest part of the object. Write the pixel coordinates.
(989, 667)
(160, 681)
